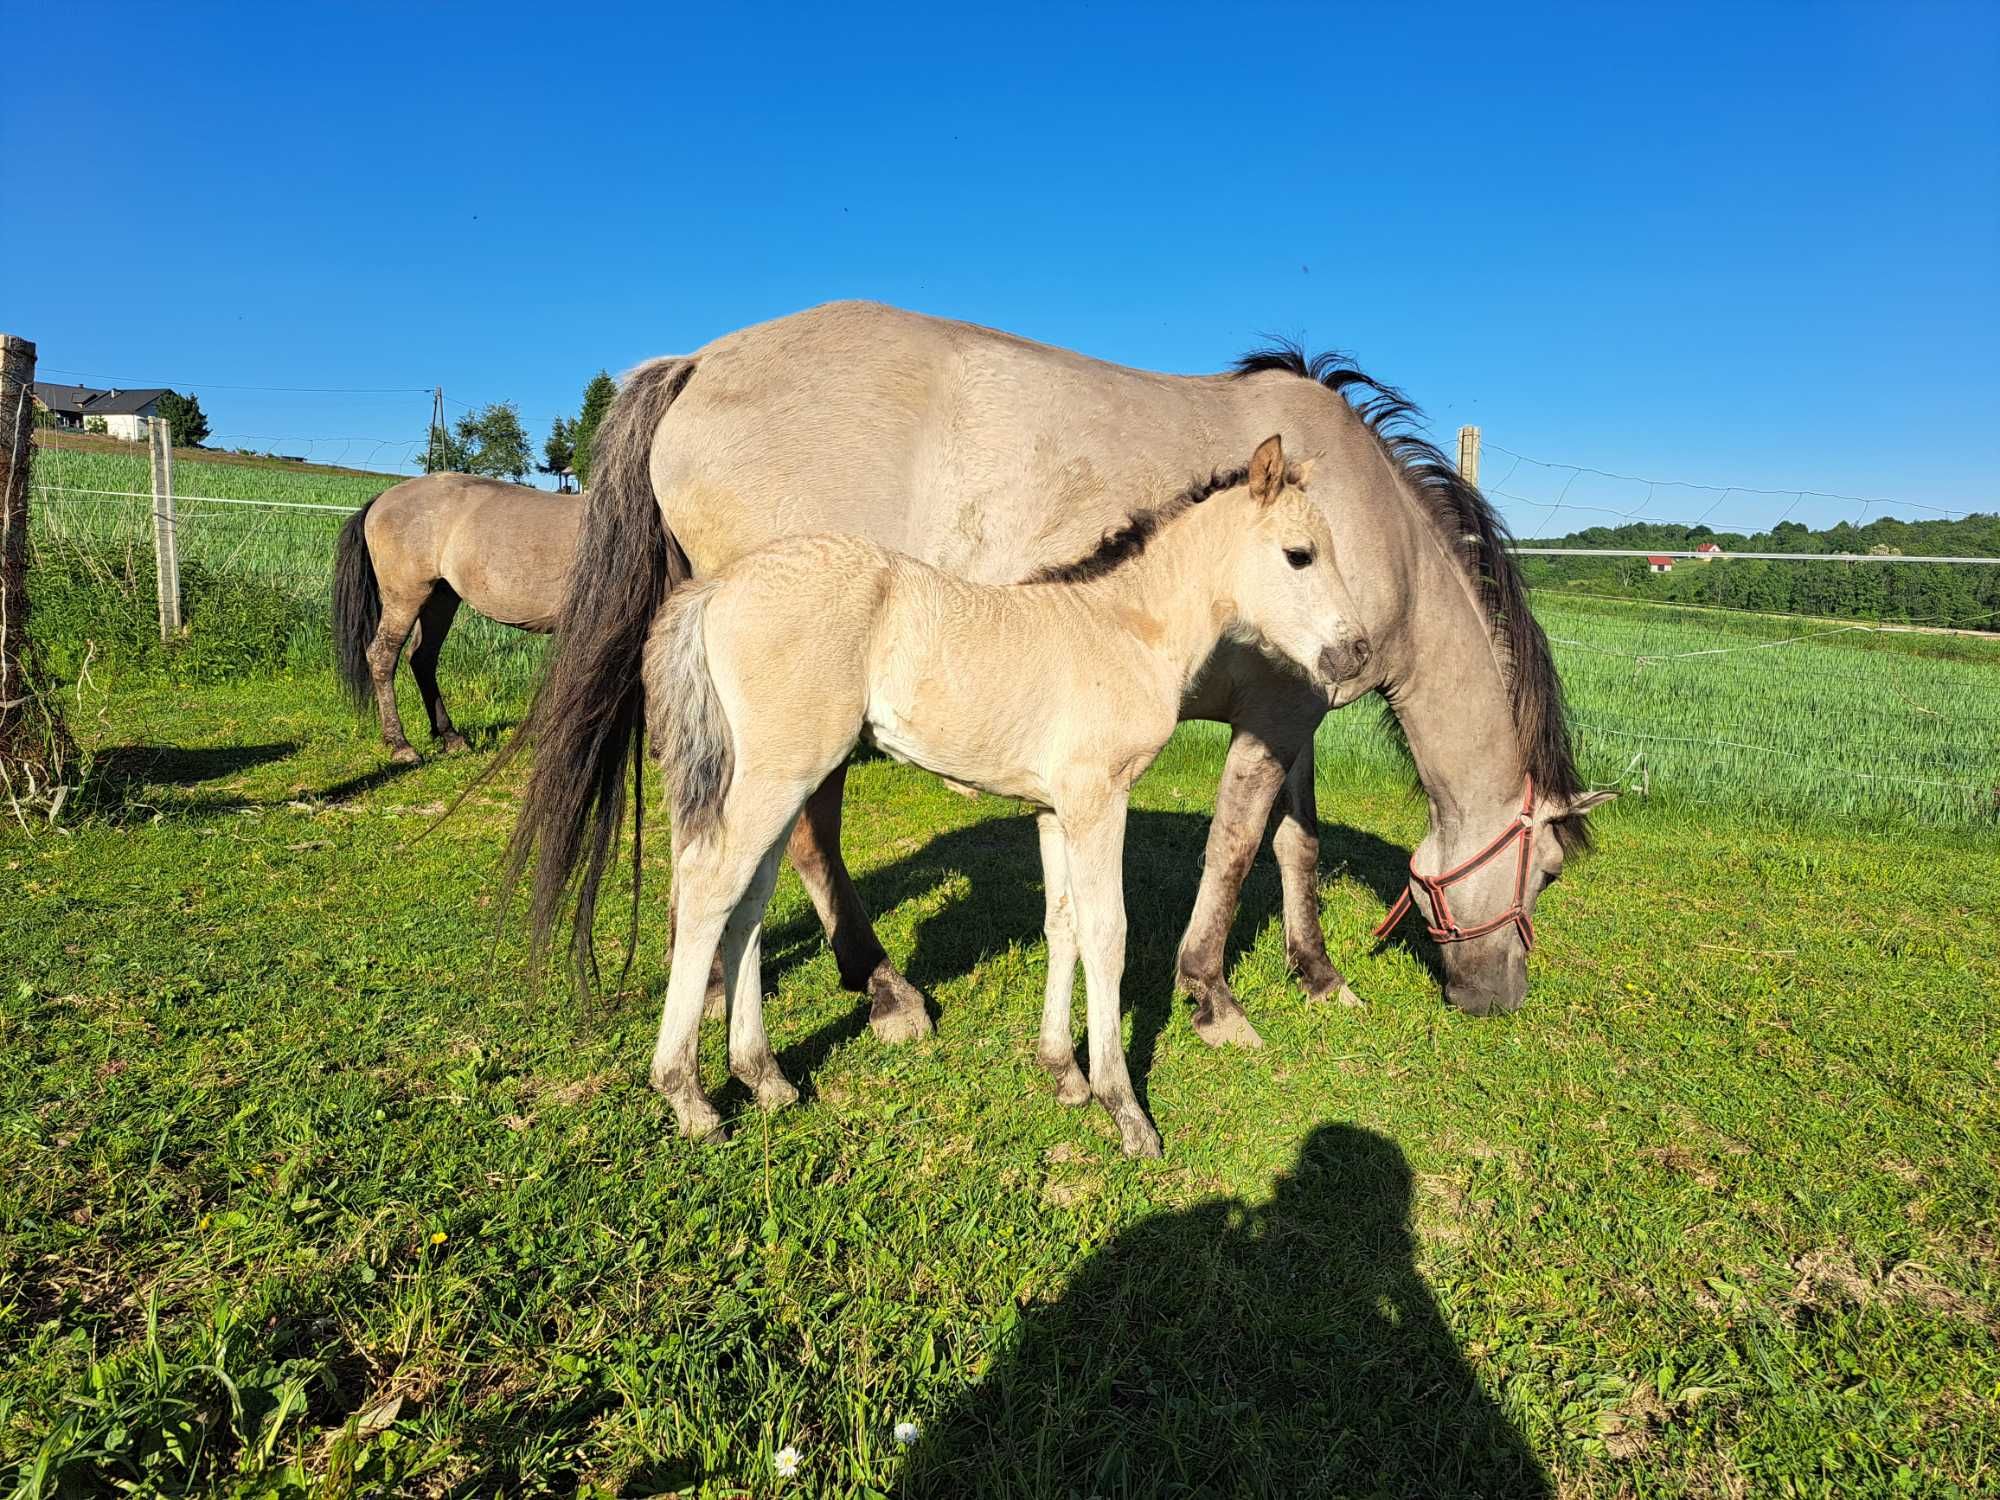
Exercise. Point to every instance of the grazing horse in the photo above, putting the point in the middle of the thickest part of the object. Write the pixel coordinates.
(407, 559)
(764, 678)
(991, 457)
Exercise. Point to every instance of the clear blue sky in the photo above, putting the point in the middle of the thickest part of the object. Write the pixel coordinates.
(1752, 244)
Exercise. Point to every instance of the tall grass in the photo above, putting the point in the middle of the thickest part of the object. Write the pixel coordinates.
(1795, 717)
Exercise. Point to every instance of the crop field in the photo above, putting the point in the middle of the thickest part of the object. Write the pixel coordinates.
(1807, 718)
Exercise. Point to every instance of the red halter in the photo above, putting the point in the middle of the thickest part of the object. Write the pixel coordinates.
(1443, 926)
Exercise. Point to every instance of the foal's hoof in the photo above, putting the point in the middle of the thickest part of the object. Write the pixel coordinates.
(451, 744)
(405, 755)
(1072, 1088)
(1219, 1027)
(771, 1088)
(698, 1123)
(1348, 998)
(895, 1006)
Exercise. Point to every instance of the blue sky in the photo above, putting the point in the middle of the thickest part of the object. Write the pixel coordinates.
(1757, 245)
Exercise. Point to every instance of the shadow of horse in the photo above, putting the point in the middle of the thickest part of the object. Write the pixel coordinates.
(998, 862)
(173, 765)
(1289, 1348)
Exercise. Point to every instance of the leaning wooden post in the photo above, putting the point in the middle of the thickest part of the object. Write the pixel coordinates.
(36, 754)
(1468, 454)
(166, 544)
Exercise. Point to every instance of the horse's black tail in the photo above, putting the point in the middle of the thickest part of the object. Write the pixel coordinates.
(588, 716)
(357, 607)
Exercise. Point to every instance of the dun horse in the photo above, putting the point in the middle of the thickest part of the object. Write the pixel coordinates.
(991, 457)
(762, 680)
(407, 559)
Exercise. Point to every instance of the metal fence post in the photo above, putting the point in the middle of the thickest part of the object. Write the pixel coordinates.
(166, 548)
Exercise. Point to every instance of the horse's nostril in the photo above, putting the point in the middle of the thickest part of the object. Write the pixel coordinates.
(1362, 650)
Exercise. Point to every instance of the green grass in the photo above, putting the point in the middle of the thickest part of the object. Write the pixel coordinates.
(303, 1188)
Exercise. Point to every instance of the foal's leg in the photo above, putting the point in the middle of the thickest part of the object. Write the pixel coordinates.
(1095, 835)
(750, 1057)
(715, 1004)
(1057, 1051)
(433, 625)
(1296, 846)
(896, 1007)
(1251, 777)
(399, 613)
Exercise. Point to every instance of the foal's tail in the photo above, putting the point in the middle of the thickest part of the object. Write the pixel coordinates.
(588, 715)
(685, 718)
(357, 607)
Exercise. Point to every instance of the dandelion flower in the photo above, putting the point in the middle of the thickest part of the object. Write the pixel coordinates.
(786, 1461)
(907, 1433)
(439, 1238)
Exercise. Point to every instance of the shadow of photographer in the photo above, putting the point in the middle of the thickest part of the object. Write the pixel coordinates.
(1289, 1348)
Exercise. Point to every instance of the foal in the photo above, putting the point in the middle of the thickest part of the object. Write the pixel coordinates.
(761, 680)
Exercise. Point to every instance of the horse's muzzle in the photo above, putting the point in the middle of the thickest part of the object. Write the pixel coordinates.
(1344, 662)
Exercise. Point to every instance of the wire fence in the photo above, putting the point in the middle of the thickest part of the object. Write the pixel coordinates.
(1712, 703)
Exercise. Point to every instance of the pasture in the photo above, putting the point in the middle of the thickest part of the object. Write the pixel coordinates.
(305, 1187)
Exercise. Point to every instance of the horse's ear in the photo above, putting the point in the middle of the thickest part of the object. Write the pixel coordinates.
(1267, 470)
(1583, 802)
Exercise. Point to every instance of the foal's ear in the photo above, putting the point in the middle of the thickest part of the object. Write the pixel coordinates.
(1583, 802)
(1267, 470)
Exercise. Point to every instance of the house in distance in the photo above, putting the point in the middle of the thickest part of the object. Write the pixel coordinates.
(79, 408)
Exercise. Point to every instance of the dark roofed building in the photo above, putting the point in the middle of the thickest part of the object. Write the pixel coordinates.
(125, 413)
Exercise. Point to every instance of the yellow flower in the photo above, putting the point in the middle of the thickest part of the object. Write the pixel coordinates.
(439, 1238)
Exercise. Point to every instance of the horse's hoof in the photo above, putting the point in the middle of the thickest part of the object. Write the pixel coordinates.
(1348, 998)
(1139, 1136)
(1229, 1027)
(896, 1007)
(405, 755)
(452, 744)
(698, 1123)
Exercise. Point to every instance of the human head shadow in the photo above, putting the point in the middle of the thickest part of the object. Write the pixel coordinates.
(1288, 1348)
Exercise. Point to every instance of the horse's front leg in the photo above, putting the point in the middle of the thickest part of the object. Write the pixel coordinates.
(1056, 1051)
(1094, 833)
(895, 1006)
(1251, 777)
(1296, 846)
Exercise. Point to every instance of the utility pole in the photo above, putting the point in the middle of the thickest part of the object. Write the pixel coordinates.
(435, 447)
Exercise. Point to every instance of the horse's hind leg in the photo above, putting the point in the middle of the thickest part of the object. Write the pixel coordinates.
(399, 613)
(1296, 847)
(1251, 777)
(716, 1004)
(1056, 1051)
(433, 625)
(895, 1006)
(750, 1057)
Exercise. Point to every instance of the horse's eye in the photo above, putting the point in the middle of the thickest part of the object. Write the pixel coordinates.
(1299, 557)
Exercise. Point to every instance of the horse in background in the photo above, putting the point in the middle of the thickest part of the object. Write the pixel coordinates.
(408, 558)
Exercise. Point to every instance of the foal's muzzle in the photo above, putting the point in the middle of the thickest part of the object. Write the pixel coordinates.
(1347, 660)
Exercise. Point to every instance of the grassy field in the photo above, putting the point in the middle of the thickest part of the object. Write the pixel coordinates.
(304, 1188)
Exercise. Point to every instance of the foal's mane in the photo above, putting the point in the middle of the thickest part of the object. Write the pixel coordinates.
(1474, 533)
(1121, 544)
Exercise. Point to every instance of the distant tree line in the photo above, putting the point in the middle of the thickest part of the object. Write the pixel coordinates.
(1916, 593)
(492, 441)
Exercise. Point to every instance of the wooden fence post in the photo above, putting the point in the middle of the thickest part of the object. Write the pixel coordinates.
(1468, 454)
(166, 543)
(36, 753)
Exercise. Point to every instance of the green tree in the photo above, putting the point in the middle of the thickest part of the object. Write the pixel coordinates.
(597, 399)
(445, 454)
(184, 418)
(493, 442)
(559, 452)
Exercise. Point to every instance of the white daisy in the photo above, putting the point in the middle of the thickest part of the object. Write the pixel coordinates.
(907, 1433)
(786, 1461)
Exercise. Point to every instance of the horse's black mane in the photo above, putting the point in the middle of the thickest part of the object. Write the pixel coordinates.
(1128, 541)
(1474, 533)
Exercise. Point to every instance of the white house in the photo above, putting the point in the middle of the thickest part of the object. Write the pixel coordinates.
(1707, 552)
(125, 414)
(1660, 564)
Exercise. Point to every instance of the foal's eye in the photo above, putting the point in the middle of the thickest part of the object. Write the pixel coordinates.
(1299, 557)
